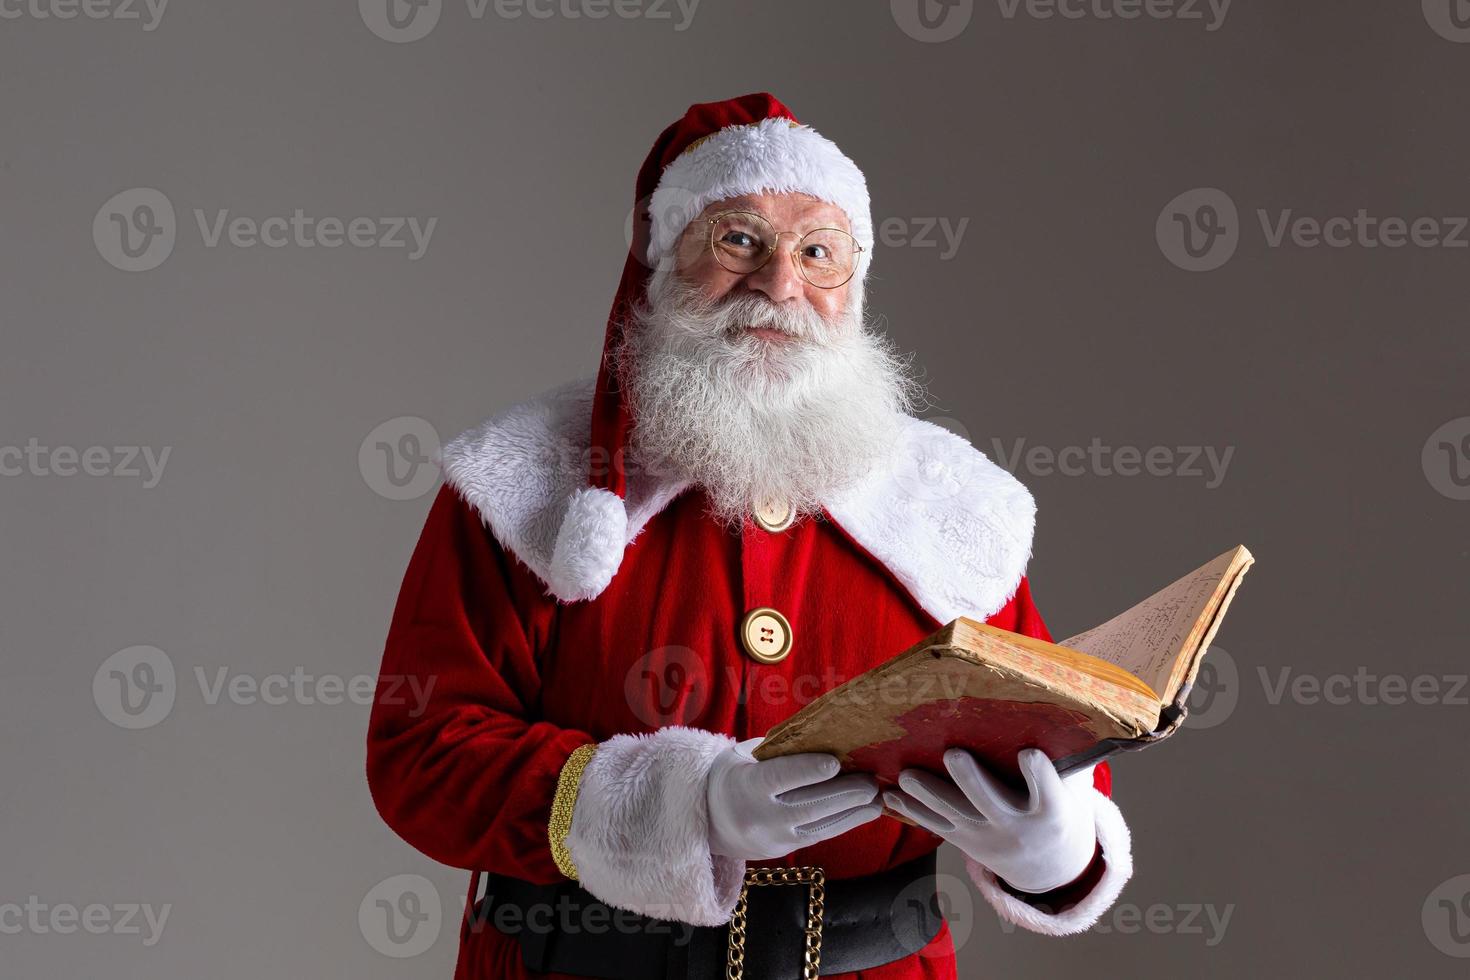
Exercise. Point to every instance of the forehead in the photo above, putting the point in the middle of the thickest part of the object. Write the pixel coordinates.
(792, 211)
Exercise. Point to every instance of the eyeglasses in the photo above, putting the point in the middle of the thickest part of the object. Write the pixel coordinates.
(743, 242)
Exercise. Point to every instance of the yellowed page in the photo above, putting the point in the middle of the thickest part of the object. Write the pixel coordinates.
(1157, 639)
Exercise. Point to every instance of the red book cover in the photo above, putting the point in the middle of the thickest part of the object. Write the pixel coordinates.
(1121, 685)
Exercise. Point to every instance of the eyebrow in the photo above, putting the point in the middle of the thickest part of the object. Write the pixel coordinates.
(833, 218)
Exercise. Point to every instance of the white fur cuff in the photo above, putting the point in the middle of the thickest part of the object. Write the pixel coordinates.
(640, 828)
(1117, 852)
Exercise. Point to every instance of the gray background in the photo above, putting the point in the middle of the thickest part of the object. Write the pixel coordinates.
(1323, 829)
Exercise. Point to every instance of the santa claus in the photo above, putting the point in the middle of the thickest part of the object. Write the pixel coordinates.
(627, 580)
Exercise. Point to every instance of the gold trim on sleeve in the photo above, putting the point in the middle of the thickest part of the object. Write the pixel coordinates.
(562, 805)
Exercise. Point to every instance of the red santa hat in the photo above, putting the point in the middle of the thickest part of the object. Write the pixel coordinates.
(746, 145)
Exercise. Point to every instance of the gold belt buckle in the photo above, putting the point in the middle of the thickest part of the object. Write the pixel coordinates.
(813, 877)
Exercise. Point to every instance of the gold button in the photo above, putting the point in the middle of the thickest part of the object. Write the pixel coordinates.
(766, 635)
(774, 515)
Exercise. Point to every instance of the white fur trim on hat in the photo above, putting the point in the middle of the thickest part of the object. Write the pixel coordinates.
(773, 156)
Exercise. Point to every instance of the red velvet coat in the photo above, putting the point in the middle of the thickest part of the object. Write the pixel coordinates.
(545, 624)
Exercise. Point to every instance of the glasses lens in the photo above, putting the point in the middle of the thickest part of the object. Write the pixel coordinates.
(742, 241)
(828, 257)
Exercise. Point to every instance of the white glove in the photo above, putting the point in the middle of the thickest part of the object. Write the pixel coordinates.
(767, 809)
(1035, 844)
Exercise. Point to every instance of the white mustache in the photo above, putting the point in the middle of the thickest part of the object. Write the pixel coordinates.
(799, 421)
(728, 315)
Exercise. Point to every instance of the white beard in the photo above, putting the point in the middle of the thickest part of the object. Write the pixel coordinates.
(750, 420)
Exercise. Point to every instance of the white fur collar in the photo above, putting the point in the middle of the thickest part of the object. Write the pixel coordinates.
(952, 526)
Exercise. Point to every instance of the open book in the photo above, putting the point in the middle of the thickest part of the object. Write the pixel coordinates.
(1117, 686)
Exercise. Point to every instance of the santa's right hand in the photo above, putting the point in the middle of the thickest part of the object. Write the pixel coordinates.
(767, 809)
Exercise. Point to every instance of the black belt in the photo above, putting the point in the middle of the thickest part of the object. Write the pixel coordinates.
(865, 922)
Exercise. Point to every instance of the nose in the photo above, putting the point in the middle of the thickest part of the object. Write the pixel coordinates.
(778, 279)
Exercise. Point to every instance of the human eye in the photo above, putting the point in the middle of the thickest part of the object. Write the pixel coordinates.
(741, 234)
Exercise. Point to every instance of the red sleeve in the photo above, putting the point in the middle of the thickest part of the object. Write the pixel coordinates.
(1028, 617)
(457, 762)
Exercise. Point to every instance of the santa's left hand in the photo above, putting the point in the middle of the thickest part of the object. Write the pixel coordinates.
(1034, 844)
